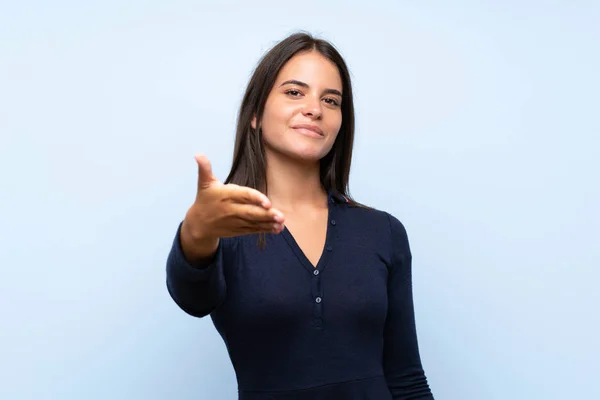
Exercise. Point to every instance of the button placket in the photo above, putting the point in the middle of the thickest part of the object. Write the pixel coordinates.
(317, 289)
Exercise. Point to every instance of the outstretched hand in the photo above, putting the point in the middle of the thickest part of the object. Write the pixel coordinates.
(228, 210)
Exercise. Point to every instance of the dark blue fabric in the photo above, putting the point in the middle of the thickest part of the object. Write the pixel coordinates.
(344, 329)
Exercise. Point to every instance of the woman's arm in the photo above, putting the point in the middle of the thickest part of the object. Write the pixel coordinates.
(402, 362)
(199, 288)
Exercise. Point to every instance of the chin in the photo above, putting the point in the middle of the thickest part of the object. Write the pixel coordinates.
(307, 153)
(300, 150)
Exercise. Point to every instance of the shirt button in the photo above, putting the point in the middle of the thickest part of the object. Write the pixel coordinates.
(316, 272)
(329, 248)
(318, 299)
(333, 222)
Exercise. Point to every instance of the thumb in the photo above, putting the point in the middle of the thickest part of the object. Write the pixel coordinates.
(205, 175)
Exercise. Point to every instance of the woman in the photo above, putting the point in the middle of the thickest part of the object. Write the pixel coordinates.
(310, 290)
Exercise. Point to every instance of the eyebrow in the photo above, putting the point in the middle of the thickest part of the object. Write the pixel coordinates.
(305, 85)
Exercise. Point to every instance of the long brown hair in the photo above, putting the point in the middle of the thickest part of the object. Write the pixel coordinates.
(249, 160)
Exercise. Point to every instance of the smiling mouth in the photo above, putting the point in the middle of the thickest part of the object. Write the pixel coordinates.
(309, 130)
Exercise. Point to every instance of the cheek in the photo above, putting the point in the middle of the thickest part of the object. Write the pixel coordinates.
(276, 119)
(334, 123)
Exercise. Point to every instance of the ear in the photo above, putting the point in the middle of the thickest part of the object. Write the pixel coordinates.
(253, 122)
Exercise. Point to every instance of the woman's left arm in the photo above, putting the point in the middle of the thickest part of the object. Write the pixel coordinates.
(401, 359)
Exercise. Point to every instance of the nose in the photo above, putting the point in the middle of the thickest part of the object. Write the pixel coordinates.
(312, 108)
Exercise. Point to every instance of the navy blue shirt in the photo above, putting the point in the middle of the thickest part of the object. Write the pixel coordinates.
(344, 329)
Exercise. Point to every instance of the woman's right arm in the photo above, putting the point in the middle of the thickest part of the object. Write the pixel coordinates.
(204, 241)
(196, 283)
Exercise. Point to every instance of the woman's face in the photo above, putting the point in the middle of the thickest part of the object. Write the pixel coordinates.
(303, 114)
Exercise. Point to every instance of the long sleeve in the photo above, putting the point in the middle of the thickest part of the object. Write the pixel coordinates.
(402, 363)
(196, 290)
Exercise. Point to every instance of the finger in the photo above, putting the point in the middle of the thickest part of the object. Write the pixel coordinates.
(205, 175)
(251, 213)
(277, 228)
(243, 194)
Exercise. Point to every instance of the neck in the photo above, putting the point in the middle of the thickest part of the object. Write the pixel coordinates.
(295, 184)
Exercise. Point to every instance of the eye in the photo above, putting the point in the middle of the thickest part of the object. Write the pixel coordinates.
(293, 92)
(331, 101)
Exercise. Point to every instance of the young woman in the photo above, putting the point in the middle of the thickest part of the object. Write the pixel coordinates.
(310, 290)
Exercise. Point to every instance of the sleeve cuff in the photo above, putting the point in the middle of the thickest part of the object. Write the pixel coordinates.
(183, 269)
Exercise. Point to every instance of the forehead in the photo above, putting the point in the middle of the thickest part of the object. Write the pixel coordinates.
(313, 69)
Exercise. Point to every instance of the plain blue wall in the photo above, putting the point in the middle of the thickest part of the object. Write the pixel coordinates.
(478, 127)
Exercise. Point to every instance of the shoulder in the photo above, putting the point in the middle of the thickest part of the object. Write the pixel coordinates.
(380, 226)
(380, 219)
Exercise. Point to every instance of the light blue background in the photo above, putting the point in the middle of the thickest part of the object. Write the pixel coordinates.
(478, 127)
